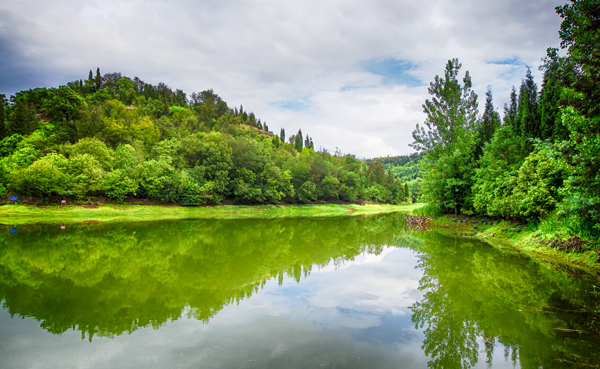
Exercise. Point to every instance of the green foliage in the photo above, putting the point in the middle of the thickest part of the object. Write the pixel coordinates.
(8, 145)
(24, 119)
(44, 177)
(495, 179)
(307, 192)
(123, 138)
(536, 188)
(86, 175)
(448, 138)
(330, 188)
(527, 123)
(96, 149)
(3, 130)
(582, 188)
(489, 123)
(119, 185)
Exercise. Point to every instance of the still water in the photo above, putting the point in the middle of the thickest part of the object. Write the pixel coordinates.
(288, 293)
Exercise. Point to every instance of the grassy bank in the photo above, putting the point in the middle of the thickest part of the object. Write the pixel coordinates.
(27, 214)
(550, 245)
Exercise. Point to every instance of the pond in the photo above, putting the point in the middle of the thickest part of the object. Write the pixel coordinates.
(349, 292)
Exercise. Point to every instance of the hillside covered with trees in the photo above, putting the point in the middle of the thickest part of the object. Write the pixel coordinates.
(407, 168)
(121, 138)
(541, 162)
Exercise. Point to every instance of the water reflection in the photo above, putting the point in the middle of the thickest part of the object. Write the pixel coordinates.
(105, 280)
(344, 292)
(542, 318)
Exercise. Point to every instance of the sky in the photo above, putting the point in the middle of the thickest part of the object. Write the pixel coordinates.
(352, 74)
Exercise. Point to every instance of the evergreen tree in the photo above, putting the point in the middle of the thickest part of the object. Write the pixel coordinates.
(551, 127)
(528, 115)
(312, 144)
(298, 141)
(490, 121)
(282, 135)
(20, 120)
(580, 34)
(98, 80)
(406, 191)
(307, 141)
(91, 76)
(510, 112)
(448, 138)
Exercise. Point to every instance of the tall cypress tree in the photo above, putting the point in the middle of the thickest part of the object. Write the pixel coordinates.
(510, 112)
(282, 135)
(98, 79)
(298, 141)
(528, 114)
(551, 127)
(490, 121)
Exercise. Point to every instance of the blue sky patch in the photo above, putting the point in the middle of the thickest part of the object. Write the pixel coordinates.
(508, 61)
(393, 71)
(294, 105)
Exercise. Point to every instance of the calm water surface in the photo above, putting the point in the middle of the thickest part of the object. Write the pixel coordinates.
(289, 293)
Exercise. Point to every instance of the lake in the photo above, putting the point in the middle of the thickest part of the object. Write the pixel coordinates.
(348, 292)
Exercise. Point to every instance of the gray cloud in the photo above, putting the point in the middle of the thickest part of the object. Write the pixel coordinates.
(264, 52)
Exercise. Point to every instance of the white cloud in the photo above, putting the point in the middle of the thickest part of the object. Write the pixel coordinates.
(257, 53)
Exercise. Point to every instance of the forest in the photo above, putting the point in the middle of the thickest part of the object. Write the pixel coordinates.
(110, 136)
(407, 168)
(540, 163)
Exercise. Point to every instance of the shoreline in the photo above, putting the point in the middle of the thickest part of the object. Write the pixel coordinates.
(509, 237)
(30, 214)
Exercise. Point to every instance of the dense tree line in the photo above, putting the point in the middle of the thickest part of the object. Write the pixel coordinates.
(407, 168)
(114, 136)
(543, 158)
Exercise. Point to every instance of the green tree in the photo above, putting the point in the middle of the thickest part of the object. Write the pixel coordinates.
(495, 180)
(3, 130)
(551, 127)
(98, 80)
(448, 138)
(22, 118)
(528, 119)
(307, 192)
(580, 34)
(490, 121)
(298, 141)
(118, 185)
(282, 135)
(510, 111)
(44, 177)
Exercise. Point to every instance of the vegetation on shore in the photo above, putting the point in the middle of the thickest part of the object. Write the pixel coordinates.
(550, 242)
(23, 214)
(538, 167)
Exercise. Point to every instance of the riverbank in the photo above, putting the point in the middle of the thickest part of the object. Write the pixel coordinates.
(28, 214)
(558, 247)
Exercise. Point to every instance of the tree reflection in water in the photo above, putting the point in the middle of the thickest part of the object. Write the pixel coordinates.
(475, 294)
(109, 279)
(106, 280)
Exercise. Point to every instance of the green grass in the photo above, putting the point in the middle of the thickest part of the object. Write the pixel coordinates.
(531, 240)
(28, 214)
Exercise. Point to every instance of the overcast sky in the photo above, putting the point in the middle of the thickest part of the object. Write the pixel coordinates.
(352, 74)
